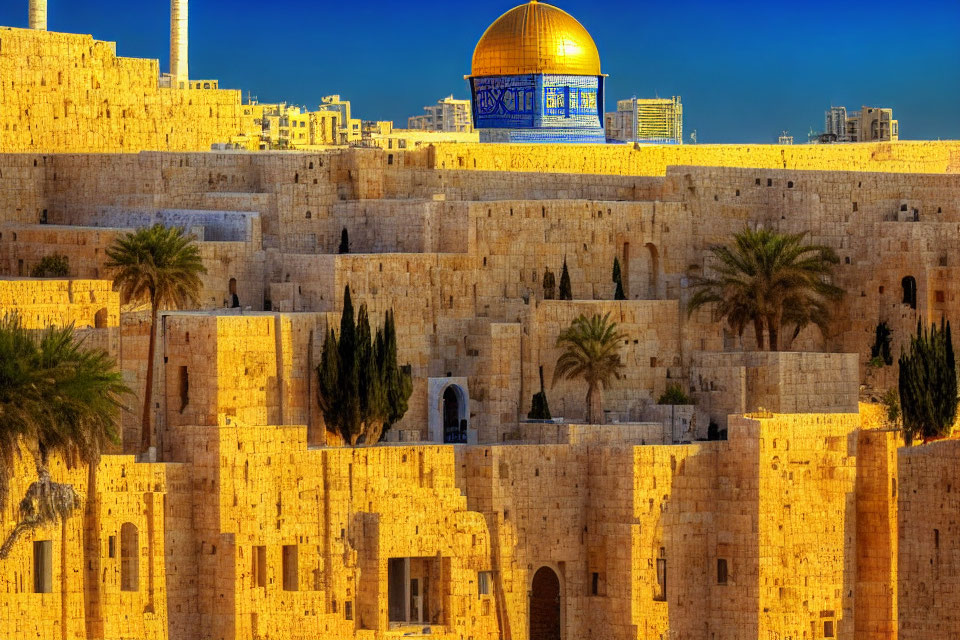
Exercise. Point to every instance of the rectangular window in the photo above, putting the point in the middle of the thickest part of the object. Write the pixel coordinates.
(828, 628)
(661, 576)
(291, 580)
(184, 388)
(112, 546)
(43, 566)
(348, 610)
(594, 584)
(259, 567)
(721, 571)
(483, 583)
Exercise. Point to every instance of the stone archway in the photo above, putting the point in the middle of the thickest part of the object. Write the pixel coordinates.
(448, 419)
(909, 286)
(545, 605)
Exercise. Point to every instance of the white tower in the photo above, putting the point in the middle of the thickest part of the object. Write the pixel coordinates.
(38, 14)
(178, 41)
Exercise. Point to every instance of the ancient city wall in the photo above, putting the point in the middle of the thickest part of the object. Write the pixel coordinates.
(653, 160)
(64, 93)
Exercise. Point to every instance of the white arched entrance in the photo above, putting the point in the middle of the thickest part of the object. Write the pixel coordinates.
(448, 403)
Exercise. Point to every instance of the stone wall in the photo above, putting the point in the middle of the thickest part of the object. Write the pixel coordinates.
(927, 561)
(733, 383)
(109, 571)
(22, 247)
(70, 93)
(653, 160)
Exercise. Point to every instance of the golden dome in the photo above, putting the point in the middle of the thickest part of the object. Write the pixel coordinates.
(536, 38)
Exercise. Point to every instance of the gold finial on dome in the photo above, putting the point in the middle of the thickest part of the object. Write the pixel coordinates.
(536, 38)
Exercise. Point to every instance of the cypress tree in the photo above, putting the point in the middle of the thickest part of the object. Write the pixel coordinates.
(369, 382)
(349, 379)
(566, 292)
(399, 383)
(328, 388)
(361, 390)
(344, 242)
(618, 280)
(928, 384)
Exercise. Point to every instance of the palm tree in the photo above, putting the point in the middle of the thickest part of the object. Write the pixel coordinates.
(55, 396)
(591, 351)
(766, 279)
(163, 266)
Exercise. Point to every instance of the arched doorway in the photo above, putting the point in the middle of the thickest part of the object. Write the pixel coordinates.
(454, 428)
(909, 285)
(234, 299)
(545, 605)
(448, 418)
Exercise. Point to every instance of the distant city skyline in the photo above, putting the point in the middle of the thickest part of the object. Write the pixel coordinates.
(746, 70)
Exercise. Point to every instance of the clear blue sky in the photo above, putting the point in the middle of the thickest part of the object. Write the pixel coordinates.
(746, 68)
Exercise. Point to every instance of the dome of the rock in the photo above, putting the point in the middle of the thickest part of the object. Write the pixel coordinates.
(536, 38)
(536, 78)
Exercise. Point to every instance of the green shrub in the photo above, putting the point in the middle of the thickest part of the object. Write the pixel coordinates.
(53, 266)
(675, 395)
(891, 400)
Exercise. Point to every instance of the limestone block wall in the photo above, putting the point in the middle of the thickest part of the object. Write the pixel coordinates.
(21, 198)
(782, 382)
(88, 598)
(70, 93)
(679, 527)
(397, 226)
(875, 605)
(206, 225)
(927, 570)
(342, 513)
(533, 500)
(515, 241)
(807, 524)
(783, 568)
(679, 511)
(416, 181)
(567, 433)
(91, 306)
(23, 246)
(258, 369)
(135, 342)
(652, 160)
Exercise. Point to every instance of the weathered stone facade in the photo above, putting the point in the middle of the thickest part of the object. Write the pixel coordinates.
(805, 521)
